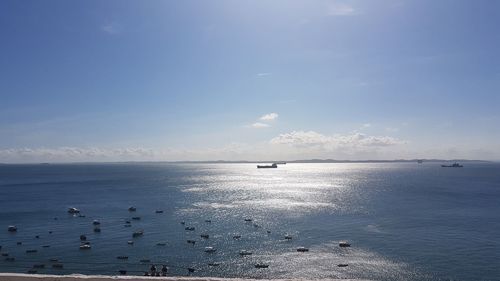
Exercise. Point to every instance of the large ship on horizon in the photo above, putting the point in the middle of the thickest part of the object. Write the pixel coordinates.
(274, 165)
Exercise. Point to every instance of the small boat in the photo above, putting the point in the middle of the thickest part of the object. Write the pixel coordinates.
(213, 264)
(96, 222)
(128, 222)
(122, 257)
(85, 247)
(245, 253)
(138, 233)
(12, 228)
(57, 265)
(97, 229)
(236, 236)
(73, 210)
(210, 250)
(208, 221)
(83, 237)
(45, 246)
(161, 244)
(130, 242)
(132, 209)
(248, 220)
(37, 236)
(261, 265)
(10, 259)
(183, 222)
(342, 265)
(31, 251)
(302, 249)
(189, 228)
(344, 244)
(288, 237)
(19, 243)
(256, 225)
(136, 218)
(206, 236)
(86, 243)
(191, 241)
(454, 165)
(159, 211)
(274, 165)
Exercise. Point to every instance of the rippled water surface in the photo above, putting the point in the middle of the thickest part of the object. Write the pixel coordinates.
(404, 221)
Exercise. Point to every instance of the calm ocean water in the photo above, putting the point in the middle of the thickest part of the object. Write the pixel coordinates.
(405, 221)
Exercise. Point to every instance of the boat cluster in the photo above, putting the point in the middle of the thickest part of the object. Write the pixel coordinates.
(86, 245)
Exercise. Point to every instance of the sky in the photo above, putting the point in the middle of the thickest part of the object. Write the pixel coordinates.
(249, 80)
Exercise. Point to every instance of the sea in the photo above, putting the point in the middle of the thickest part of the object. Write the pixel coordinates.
(403, 221)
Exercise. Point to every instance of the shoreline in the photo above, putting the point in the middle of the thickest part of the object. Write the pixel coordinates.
(80, 277)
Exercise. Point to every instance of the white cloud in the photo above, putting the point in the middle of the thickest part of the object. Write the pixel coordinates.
(264, 74)
(111, 28)
(366, 125)
(341, 9)
(269, 116)
(260, 125)
(332, 143)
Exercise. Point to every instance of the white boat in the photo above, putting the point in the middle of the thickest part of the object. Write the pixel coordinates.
(245, 253)
(138, 233)
(96, 222)
(12, 228)
(85, 247)
(210, 250)
(73, 210)
(344, 244)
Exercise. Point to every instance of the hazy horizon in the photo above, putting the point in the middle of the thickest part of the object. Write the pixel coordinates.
(116, 81)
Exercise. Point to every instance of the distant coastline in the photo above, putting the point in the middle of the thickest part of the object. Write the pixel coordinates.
(300, 161)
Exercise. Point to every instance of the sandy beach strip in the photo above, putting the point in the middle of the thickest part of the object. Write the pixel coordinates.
(80, 277)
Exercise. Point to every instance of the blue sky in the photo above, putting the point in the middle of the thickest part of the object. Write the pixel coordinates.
(255, 80)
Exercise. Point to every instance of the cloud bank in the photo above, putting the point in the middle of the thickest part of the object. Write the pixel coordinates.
(330, 143)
